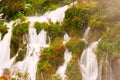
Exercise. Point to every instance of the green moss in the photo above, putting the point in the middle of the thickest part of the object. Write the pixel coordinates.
(18, 33)
(76, 19)
(39, 26)
(75, 45)
(3, 29)
(21, 52)
(51, 58)
(55, 30)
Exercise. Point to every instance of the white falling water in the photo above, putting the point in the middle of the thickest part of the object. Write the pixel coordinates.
(55, 16)
(61, 70)
(67, 57)
(66, 38)
(108, 73)
(85, 36)
(88, 63)
(5, 49)
(36, 43)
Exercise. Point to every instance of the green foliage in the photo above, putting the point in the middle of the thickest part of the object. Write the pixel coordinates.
(55, 30)
(18, 33)
(77, 17)
(41, 6)
(38, 26)
(75, 45)
(20, 29)
(20, 16)
(110, 41)
(11, 7)
(51, 58)
(97, 22)
(3, 29)
(21, 52)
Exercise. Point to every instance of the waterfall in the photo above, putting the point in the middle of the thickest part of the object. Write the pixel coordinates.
(107, 75)
(88, 63)
(61, 70)
(36, 43)
(5, 61)
(66, 38)
(55, 16)
(67, 57)
(85, 36)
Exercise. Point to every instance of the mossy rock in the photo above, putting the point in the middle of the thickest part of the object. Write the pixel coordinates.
(55, 30)
(39, 26)
(51, 58)
(18, 33)
(21, 52)
(77, 18)
(75, 45)
(73, 69)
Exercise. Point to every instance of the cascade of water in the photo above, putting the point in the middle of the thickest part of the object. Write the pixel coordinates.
(88, 63)
(108, 70)
(54, 16)
(62, 69)
(100, 68)
(4, 46)
(85, 36)
(66, 38)
(36, 43)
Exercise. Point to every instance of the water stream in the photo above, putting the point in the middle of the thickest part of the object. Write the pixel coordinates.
(88, 61)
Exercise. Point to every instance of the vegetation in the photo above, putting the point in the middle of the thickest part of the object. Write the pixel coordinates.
(41, 6)
(102, 17)
(77, 17)
(55, 30)
(11, 7)
(73, 69)
(51, 58)
(110, 41)
(3, 29)
(18, 34)
(76, 46)
(38, 26)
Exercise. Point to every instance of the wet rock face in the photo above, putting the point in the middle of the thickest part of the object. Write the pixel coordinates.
(116, 67)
